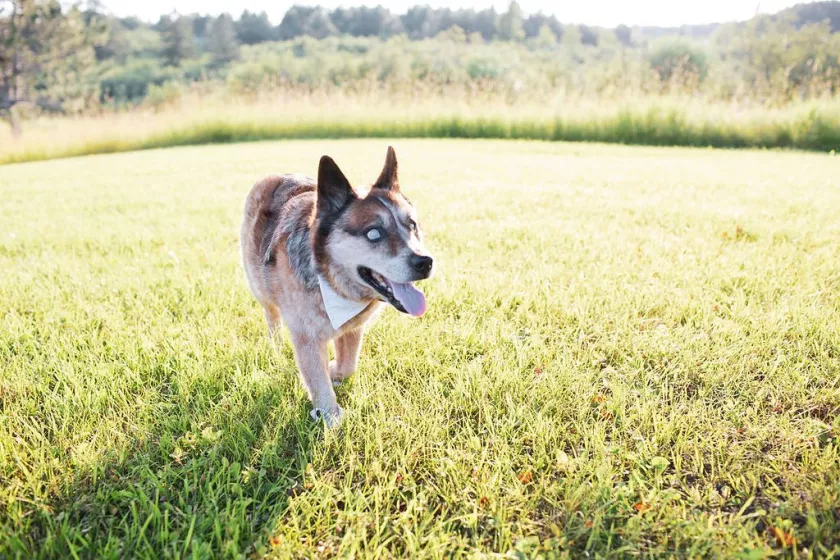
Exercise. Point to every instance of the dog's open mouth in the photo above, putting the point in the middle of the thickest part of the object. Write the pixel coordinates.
(402, 295)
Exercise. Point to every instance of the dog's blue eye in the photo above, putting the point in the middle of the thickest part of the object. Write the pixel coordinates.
(412, 225)
(374, 234)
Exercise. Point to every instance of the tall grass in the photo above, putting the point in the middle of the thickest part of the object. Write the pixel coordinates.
(669, 120)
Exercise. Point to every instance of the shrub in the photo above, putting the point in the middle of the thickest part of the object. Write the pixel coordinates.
(676, 60)
(161, 96)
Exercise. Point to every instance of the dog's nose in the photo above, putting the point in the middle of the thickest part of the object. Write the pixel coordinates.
(421, 263)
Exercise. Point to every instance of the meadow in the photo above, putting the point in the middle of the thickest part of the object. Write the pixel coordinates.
(109, 84)
(629, 351)
(206, 116)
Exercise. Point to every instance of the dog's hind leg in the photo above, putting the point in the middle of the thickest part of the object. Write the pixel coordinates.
(346, 355)
(272, 318)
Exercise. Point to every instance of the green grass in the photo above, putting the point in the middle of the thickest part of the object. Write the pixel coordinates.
(655, 122)
(628, 351)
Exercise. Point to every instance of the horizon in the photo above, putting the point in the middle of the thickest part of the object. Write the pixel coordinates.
(604, 13)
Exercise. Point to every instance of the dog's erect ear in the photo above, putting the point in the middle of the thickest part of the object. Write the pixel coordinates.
(334, 190)
(388, 179)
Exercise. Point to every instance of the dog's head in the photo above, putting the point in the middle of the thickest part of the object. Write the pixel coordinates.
(370, 247)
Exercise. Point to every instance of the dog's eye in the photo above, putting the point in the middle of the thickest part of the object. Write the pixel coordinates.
(374, 234)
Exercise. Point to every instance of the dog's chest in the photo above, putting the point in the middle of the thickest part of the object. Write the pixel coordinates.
(304, 311)
(357, 322)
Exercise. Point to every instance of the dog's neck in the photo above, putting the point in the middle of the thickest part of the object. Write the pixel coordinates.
(339, 309)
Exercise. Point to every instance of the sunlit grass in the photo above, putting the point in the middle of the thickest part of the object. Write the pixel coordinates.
(628, 352)
(196, 120)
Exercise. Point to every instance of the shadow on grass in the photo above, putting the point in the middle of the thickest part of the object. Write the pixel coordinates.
(214, 490)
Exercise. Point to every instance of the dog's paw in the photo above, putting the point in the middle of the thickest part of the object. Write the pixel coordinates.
(331, 418)
(337, 376)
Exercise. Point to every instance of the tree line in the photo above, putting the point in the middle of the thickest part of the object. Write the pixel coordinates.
(60, 57)
(185, 35)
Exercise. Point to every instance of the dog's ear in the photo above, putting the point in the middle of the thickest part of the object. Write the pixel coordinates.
(334, 190)
(389, 178)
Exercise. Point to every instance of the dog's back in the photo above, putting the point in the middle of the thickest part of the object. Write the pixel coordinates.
(262, 225)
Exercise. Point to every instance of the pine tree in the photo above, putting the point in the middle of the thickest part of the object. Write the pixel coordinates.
(222, 41)
(510, 24)
(177, 37)
(46, 53)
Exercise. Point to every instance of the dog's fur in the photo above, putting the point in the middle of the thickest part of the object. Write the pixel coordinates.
(295, 229)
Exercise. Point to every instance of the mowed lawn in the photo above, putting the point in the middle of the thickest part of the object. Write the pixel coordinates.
(628, 352)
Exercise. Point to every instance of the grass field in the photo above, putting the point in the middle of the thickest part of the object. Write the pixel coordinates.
(628, 351)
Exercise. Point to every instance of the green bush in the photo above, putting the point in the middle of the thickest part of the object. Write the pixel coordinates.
(483, 68)
(677, 59)
(131, 82)
(159, 97)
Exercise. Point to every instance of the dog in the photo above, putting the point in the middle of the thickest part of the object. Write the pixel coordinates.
(323, 258)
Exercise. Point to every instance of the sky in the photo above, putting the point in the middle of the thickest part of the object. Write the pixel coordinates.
(606, 13)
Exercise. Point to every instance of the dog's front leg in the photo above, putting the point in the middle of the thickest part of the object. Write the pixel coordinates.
(272, 318)
(312, 358)
(346, 355)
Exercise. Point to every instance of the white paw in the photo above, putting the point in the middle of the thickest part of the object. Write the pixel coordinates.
(332, 417)
(336, 376)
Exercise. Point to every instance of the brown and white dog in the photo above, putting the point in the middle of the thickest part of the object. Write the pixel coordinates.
(324, 258)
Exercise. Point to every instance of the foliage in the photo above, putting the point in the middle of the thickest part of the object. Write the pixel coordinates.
(767, 61)
(132, 82)
(47, 52)
(535, 24)
(127, 40)
(624, 35)
(222, 41)
(310, 21)
(162, 96)
(177, 39)
(588, 36)
(782, 61)
(252, 28)
(677, 59)
(817, 12)
(510, 24)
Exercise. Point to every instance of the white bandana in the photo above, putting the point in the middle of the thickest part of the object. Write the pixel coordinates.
(339, 309)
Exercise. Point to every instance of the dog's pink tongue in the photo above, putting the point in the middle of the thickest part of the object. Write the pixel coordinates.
(410, 297)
